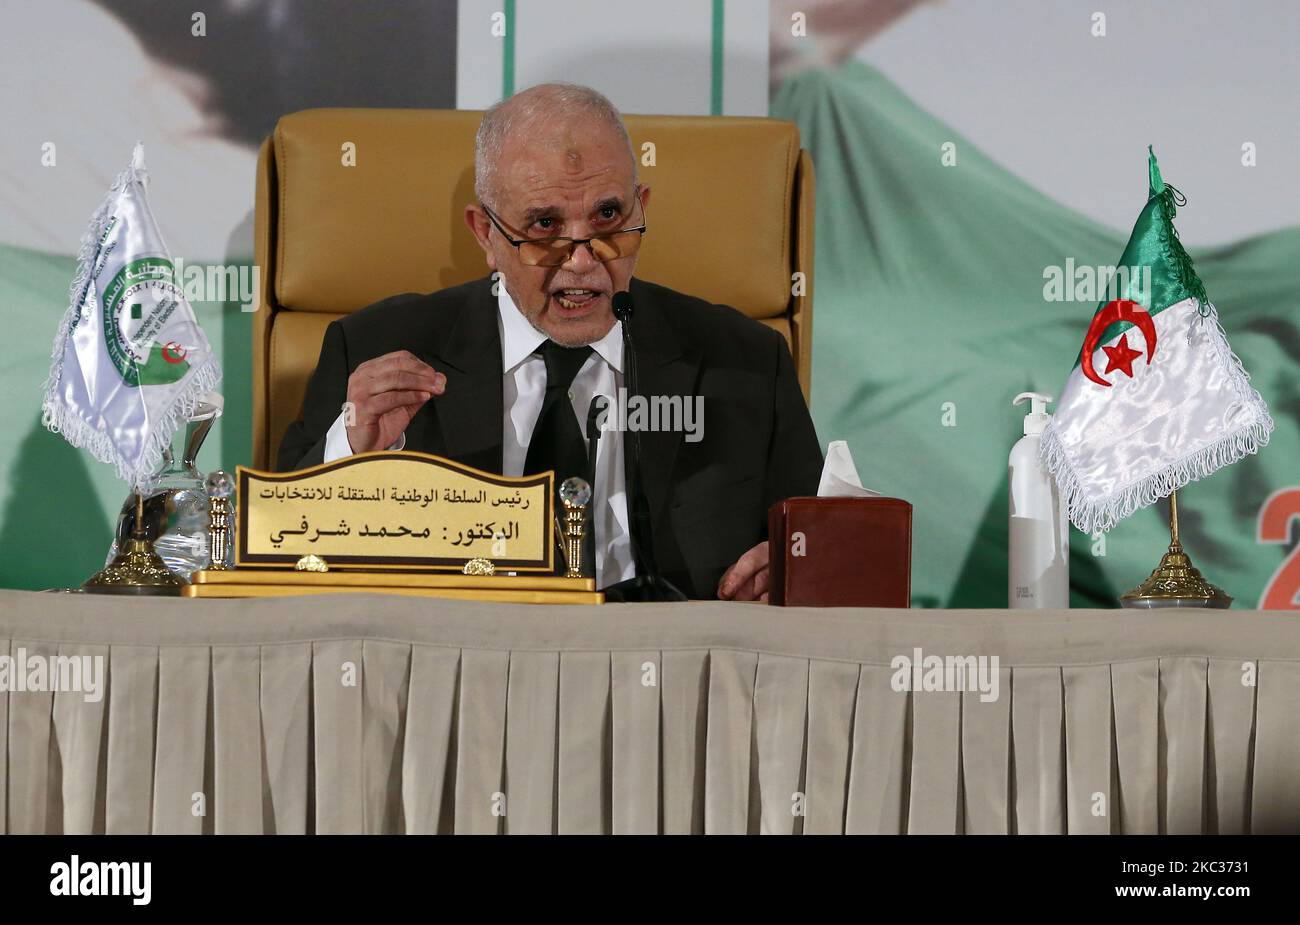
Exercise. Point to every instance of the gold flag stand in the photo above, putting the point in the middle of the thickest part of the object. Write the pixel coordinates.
(137, 569)
(1175, 582)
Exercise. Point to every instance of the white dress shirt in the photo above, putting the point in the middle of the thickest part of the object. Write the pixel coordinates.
(522, 392)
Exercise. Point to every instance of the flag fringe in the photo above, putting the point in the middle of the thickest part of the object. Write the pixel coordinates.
(79, 289)
(1092, 515)
(1171, 244)
(56, 415)
(74, 428)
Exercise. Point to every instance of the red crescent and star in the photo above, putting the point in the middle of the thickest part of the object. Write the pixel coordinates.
(175, 353)
(1121, 356)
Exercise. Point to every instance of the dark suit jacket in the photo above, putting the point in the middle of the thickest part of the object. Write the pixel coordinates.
(708, 500)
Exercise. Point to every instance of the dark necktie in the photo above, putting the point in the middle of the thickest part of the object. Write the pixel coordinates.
(557, 443)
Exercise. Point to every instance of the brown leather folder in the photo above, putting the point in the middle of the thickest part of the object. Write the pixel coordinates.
(840, 552)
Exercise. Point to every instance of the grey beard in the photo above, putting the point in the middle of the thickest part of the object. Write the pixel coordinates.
(565, 341)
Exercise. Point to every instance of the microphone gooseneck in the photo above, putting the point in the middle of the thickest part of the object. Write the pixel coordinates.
(638, 513)
(648, 584)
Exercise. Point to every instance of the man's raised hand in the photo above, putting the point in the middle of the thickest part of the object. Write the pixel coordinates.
(385, 393)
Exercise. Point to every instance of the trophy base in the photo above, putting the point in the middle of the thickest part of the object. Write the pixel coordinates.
(1175, 583)
(137, 570)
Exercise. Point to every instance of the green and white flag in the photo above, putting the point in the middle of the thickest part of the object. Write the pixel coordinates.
(1157, 398)
(130, 361)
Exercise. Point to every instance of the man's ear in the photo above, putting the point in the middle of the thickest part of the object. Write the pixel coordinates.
(481, 226)
(645, 197)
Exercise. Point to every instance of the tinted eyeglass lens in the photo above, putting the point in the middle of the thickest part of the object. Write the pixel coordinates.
(555, 252)
(613, 246)
(545, 253)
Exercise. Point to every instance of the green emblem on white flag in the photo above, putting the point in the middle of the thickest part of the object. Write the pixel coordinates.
(1157, 398)
(130, 360)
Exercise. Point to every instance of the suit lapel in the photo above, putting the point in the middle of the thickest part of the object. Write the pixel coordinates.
(664, 367)
(469, 412)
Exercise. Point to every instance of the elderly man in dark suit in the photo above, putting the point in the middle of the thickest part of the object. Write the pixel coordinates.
(560, 216)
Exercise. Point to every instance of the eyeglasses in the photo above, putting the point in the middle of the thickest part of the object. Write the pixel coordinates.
(552, 252)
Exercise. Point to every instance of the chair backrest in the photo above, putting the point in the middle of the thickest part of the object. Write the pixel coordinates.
(355, 205)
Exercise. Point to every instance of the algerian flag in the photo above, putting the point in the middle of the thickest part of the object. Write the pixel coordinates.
(130, 361)
(1157, 398)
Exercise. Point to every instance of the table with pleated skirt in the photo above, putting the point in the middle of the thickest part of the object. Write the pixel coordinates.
(373, 713)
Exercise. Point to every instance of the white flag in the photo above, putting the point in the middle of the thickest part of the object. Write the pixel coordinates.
(130, 361)
(1157, 398)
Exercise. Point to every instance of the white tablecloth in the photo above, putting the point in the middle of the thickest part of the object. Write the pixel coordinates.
(237, 716)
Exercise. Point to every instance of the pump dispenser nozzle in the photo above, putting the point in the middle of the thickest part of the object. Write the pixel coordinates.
(1037, 418)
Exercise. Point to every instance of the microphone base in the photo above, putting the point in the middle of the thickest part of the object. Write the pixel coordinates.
(643, 589)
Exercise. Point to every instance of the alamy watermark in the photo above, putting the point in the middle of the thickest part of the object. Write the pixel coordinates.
(76, 877)
(1084, 283)
(921, 672)
(219, 282)
(676, 413)
(82, 674)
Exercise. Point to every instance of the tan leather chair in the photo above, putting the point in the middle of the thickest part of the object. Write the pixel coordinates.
(730, 220)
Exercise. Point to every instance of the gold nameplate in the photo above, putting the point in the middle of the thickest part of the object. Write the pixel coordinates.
(394, 510)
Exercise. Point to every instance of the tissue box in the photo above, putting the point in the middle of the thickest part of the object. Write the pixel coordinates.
(840, 552)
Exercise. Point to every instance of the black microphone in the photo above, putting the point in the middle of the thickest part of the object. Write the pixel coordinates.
(623, 308)
(648, 584)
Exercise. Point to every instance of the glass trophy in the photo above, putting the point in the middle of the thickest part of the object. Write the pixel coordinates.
(176, 498)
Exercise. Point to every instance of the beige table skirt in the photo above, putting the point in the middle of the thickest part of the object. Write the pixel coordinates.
(360, 713)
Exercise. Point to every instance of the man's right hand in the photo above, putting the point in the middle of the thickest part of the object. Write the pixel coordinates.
(385, 393)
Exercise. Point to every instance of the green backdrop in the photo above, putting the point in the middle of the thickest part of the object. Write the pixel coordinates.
(929, 290)
(928, 298)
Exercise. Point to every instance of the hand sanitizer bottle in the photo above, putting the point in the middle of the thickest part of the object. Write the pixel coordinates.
(1039, 561)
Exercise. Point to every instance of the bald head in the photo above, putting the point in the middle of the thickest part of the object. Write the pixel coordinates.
(551, 114)
(555, 162)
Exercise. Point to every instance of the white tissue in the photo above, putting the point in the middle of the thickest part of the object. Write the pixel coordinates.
(840, 475)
